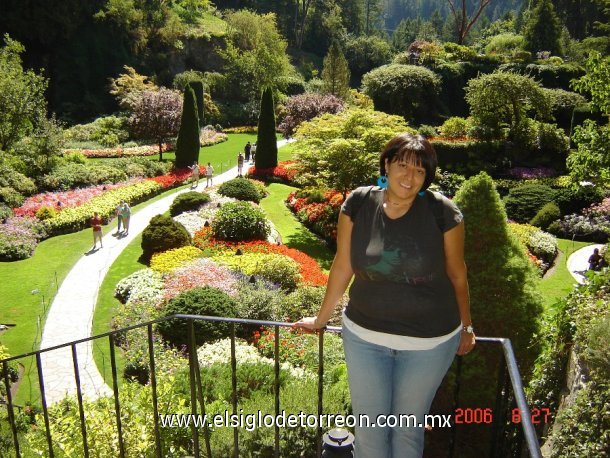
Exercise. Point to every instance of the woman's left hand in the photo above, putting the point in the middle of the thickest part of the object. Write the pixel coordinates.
(467, 342)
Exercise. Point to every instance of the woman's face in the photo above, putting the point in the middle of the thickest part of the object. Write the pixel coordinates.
(405, 179)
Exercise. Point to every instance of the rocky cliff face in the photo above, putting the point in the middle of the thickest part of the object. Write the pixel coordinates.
(199, 54)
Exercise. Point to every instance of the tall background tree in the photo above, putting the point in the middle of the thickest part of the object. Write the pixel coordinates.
(156, 115)
(22, 102)
(463, 20)
(335, 72)
(197, 87)
(543, 29)
(266, 144)
(187, 145)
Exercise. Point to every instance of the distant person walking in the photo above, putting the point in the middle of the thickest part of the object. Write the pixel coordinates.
(253, 152)
(247, 150)
(240, 164)
(126, 214)
(96, 225)
(194, 174)
(119, 218)
(209, 174)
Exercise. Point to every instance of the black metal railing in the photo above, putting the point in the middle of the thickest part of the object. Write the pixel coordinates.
(509, 391)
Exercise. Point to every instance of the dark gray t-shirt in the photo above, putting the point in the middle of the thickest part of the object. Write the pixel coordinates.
(401, 285)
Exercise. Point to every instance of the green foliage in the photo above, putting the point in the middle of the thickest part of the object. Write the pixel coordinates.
(455, 127)
(21, 95)
(546, 215)
(335, 73)
(543, 29)
(256, 301)
(197, 87)
(41, 150)
(523, 202)
(505, 44)
(11, 178)
(237, 221)
(205, 301)
(406, 90)
(109, 131)
(500, 100)
(189, 201)
(597, 347)
(266, 144)
(305, 301)
(427, 131)
(341, 151)
(364, 53)
(70, 176)
(241, 188)
(187, 144)
(596, 81)
(470, 157)
(162, 234)
(503, 284)
(11, 198)
(572, 199)
(591, 161)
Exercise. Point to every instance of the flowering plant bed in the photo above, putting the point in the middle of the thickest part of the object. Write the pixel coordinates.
(145, 150)
(284, 173)
(320, 217)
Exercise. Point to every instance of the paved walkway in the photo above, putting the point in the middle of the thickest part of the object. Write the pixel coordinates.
(71, 313)
(578, 262)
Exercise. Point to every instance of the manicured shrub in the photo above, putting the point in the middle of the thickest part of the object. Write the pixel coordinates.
(197, 87)
(189, 201)
(241, 189)
(448, 183)
(469, 157)
(256, 301)
(455, 127)
(427, 131)
(546, 215)
(523, 202)
(46, 213)
(162, 234)
(239, 221)
(11, 198)
(198, 301)
(407, 90)
(70, 176)
(5, 212)
(11, 178)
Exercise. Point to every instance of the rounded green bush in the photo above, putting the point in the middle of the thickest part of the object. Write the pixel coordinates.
(546, 215)
(241, 189)
(455, 127)
(237, 221)
(162, 234)
(198, 301)
(575, 198)
(11, 197)
(523, 202)
(188, 201)
(5, 212)
(46, 212)
(281, 270)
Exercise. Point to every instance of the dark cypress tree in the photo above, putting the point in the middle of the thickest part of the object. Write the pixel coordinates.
(197, 87)
(266, 144)
(543, 29)
(187, 145)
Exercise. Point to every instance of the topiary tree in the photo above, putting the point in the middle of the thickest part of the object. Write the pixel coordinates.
(266, 145)
(240, 188)
(197, 87)
(187, 145)
(188, 201)
(162, 234)
(504, 298)
(238, 221)
(407, 90)
(206, 301)
(543, 29)
(546, 215)
(523, 202)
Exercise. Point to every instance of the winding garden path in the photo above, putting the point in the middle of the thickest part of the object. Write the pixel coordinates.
(578, 262)
(71, 314)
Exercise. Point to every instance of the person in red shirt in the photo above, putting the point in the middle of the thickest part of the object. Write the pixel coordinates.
(96, 224)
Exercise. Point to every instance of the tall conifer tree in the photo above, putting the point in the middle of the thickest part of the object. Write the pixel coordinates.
(335, 73)
(197, 87)
(266, 145)
(543, 29)
(187, 145)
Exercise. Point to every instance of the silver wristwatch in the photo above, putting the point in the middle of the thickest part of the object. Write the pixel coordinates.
(469, 329)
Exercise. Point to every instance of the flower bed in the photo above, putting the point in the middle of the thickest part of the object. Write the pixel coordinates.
(200, 272)
(172, 259)
(541, 246)
(173, 178)
(320, 217)
(66, 199)
(146, 150)
(284, 173)
(308, 267)
(19, 237)
(210, 137)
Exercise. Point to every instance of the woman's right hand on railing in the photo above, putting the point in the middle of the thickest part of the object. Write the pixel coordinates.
(309, 323)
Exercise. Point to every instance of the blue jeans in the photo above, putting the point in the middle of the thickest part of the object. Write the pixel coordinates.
(393, 382)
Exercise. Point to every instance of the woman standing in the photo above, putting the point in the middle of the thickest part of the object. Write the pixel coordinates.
(409, 309)
(96, 225)
(126, 214)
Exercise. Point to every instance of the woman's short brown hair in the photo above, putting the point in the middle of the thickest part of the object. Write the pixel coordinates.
(411, 148)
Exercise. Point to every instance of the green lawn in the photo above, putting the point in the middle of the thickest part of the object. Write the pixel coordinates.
(560, 282)
(30, 288)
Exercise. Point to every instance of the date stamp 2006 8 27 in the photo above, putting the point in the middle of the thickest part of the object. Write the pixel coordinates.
(480, 415)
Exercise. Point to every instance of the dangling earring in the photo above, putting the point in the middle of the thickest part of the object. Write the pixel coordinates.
(382, 181)
(421, 193)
